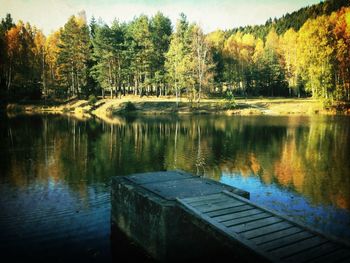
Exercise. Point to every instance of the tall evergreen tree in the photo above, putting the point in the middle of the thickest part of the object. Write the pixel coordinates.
(103, 57)
(73, 56)
(161, 32)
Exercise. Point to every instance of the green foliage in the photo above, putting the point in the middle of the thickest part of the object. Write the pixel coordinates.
(230, 100)
(177, 58)
(161, 31)
(20, 57)
(73, 56)
(229, 95)
(92, 99)
(305, 53)
(293, 20)
(125, 108)
(327, 103)
(129, 106)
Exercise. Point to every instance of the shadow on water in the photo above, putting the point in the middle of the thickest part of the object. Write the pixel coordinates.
(123, 248)
(55, 172)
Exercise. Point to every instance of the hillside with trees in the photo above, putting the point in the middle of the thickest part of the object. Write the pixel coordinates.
(306, 53)
(293, 20)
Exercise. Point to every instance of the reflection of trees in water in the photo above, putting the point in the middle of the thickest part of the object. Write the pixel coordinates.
(309, 155)
(314, 162)
(324, 152)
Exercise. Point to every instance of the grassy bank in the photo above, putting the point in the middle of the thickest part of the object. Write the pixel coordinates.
(107, 108)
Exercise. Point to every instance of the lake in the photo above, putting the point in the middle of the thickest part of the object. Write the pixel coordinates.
(55, 173)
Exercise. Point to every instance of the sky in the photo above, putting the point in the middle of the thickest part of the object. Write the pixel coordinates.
(49, 15)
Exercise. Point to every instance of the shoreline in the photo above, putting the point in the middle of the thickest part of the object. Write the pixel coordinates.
(106, 109)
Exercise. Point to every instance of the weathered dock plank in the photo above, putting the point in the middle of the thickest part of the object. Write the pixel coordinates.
(202, 201)
(266, 233)
(229, 211)
(205, 198)
(220, 206)
(257, 224)
(245, 217)
(286, 240)
(313, 253)
(266, 230)
(298, 247)
(276, 235)
(215, 203)
(340, 255)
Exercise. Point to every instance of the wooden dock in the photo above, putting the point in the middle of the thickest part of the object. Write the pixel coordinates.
(176, 203)
(272, 236)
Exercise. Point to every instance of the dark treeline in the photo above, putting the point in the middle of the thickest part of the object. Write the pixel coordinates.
(305, 53)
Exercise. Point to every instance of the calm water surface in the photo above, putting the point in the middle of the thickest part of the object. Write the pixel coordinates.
(55, 173)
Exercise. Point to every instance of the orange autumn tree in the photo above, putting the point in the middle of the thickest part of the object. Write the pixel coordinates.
(12, 40)
(24, 68)
(40, 57)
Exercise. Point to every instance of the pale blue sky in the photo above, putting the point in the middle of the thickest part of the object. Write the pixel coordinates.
(210, 14)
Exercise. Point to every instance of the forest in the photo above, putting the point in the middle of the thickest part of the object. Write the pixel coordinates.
(303, 54)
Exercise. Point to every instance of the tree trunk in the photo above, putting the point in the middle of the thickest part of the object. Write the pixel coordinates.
(43, 75)
(199, 150)
(72, 86)
(176, 94)
(78, 86)
(9, 78)
(199, 92)
(136, 86)
(175, 144)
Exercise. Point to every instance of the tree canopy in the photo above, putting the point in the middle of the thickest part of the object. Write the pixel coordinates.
(305, 53)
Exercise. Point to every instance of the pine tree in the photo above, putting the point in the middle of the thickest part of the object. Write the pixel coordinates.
(161, 32)
(103, 57)
(73, 56)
